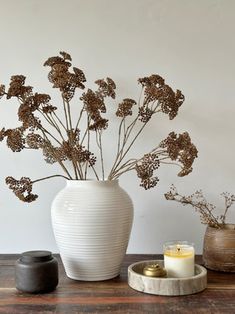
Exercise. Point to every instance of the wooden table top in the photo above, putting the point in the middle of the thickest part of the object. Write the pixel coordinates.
(113, 296)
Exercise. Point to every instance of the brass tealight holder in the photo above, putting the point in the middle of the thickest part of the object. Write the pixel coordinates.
(154, 270)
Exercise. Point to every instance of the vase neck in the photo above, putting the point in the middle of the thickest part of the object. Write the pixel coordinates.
(92, 183)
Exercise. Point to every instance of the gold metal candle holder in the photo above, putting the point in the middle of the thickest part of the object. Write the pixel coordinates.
(154, 270)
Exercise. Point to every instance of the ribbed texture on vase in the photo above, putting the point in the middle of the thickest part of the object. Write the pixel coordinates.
(92, 222)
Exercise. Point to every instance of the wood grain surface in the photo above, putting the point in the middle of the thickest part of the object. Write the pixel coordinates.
(113, 296)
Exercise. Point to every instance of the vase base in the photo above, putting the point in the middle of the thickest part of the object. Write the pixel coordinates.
(102, 278)
(220, 267)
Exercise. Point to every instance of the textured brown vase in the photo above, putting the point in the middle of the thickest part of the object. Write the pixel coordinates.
(219, 248)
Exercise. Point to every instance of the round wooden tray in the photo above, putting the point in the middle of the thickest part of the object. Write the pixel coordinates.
(165, 286)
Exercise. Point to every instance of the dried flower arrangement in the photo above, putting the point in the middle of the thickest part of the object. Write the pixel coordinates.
(202, 206)
(38, 116)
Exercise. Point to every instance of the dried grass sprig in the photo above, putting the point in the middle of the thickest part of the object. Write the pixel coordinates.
(205, 209)
(62, 141)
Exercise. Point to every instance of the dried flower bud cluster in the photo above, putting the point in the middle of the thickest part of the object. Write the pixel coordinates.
(62, 78)
(14, 138)
(2, 91)
(22, 188)
(94, 103)
(65, 141)
(77, 153)
(29, 105)
(106, 89)
(17, 87)
(34, 141)
(182, 149)
(2, 134)
(53, 154)
(202, 206)
(161, 94)
(145, 170)
(125, 107)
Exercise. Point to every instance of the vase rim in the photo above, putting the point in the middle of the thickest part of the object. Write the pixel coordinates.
(92, 182)
(226, 226)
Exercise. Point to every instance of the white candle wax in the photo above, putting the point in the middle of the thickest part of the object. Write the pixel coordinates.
(179, 260)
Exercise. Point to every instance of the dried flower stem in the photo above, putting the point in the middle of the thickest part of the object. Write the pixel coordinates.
(84, 135)
(53, 176)
(127, 132)
(169, 162)
(52, 123)
(124, 141)
(229, 199)
(97, 177)
(205, 209)
(88, 143)
(131, 163)
(101, 154)
(99, 144)
(59, 161)
(79, 118)
(119, 138)
(126, 169)
(75, 170)
(59, 120)
(78, 172)
(66, 115)
(123, 154)
(56, 125)
(69, 115)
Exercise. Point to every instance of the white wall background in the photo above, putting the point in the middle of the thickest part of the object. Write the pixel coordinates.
(190, 43)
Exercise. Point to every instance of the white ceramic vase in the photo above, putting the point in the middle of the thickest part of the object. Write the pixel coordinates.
(92, 222)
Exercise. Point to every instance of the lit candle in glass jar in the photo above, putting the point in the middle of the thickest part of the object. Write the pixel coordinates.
(179, 259)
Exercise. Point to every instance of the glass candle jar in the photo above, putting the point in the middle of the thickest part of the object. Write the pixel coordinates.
(36, 272)
(179, 259)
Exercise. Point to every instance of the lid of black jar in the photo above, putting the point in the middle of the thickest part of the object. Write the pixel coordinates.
(36, 256)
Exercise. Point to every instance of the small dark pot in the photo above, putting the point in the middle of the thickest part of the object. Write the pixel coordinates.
(219, 248)
(36, 272)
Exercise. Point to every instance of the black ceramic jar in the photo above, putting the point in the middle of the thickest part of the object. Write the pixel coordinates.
(36, 272)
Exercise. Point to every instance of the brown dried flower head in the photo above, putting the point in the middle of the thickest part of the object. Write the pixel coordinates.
(152, 80)
(125, 107)
(145, 169)
(62, 78)
(22, 188)
(15, 139)
(2, 134)
(170, 101)
(106, 89)
(77, 153)
(99, 124)
(2, 91)
(53, 154)
(145, 114)
(34, 141)
(94, 105)
(26, 114)
(156, 91)
(29, 106)
(17, 87)
(93, 102)
(182, 149)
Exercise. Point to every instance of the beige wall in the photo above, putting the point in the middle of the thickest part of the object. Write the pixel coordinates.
(190, 43)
